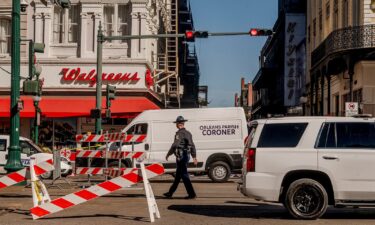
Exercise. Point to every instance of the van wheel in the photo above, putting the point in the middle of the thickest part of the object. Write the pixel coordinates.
(306, 199)
(219, 172)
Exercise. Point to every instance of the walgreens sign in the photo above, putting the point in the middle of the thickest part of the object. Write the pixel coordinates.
(78, 75)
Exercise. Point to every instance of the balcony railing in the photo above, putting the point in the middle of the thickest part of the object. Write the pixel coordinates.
(349, 38)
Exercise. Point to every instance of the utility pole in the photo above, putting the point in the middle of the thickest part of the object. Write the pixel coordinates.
(14, 152)
(98, 119)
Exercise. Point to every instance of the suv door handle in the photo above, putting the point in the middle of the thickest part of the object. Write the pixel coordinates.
(330, 157)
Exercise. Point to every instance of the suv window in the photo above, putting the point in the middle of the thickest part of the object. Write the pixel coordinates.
(347, 135)
(250, 138)
(3, 145)
(327, 138)
(281, 135)
(355, 135)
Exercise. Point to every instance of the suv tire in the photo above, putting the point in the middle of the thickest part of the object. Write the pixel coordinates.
(219, 172)
(306, 199)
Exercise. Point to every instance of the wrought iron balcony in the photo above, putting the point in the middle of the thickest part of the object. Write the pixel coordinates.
(344, 40)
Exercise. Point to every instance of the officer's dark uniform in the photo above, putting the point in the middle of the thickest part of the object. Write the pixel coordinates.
(182, 147)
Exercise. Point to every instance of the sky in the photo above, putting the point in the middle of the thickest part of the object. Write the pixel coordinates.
(224, 60)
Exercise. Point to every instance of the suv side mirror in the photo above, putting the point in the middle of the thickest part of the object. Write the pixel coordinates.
(147, 147)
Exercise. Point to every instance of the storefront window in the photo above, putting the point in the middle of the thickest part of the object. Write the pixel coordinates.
(4, 126)
(58, 133)
(5, 31)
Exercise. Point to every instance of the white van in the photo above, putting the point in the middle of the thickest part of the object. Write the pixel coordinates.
(218, 134)
(28, 148)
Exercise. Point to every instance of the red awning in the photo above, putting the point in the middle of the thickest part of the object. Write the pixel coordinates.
(56, 107)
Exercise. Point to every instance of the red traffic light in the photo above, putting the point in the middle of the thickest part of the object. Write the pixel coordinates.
(189, 34)
(254, 32)
(260, 32)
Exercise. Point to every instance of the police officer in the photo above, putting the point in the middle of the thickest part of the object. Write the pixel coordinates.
(182, 147)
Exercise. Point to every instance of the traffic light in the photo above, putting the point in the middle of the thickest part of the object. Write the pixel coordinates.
(34, 48)
(260, 32)
(110, 94)
(190, 35)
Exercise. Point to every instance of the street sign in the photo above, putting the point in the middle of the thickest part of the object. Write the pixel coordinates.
(351, 109)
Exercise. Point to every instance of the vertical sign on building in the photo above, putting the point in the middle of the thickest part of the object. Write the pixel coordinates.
(294, 36)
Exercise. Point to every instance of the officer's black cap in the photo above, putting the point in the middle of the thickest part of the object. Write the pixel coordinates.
(180, 119)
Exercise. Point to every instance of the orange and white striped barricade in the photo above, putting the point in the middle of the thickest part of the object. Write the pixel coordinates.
(21, 175)
(105, 154)
(139, 155)
(131, 177)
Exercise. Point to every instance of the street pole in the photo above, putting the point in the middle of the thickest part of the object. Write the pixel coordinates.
(98, 121)
(14, 153)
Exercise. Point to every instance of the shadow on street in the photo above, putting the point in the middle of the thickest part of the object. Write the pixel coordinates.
(266, 211)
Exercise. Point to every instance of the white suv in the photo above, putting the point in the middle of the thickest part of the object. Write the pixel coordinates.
(308, 163)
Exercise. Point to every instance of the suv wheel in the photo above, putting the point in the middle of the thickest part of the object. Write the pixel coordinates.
(306, 199)
(219, 172)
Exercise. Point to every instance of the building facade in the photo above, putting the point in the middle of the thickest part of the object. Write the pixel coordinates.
(144, 71)
(280, 83)
(245, 98)
(340, 58)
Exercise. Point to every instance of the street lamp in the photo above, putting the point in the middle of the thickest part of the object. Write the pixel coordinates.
(36, 99)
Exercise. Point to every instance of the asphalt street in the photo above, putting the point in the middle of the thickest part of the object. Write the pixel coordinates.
(216, 204)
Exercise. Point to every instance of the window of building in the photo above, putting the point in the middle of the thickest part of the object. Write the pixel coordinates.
(5, 32)
(116, 18)
(281, 135)
(335, 23)
(66, 24)
(356, 12)
(314, 27)
(328, 9)
(345, 13)
(308, 34)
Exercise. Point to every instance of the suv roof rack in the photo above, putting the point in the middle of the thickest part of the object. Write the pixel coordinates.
(362, 116)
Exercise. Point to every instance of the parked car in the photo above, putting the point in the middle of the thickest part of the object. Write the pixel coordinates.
(308, 163)
(28, 148)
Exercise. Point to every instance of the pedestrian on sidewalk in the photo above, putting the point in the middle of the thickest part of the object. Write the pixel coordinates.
(182, 147)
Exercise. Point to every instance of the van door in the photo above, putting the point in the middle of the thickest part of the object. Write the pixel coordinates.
(346, 151)
(3, 153)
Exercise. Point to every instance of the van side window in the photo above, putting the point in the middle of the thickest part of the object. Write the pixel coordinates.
(281, 135)
(355, 135)
(3, 145)
(26, 148)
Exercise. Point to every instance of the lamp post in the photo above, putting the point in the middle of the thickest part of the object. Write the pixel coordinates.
(36, 100)
(14, 155)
